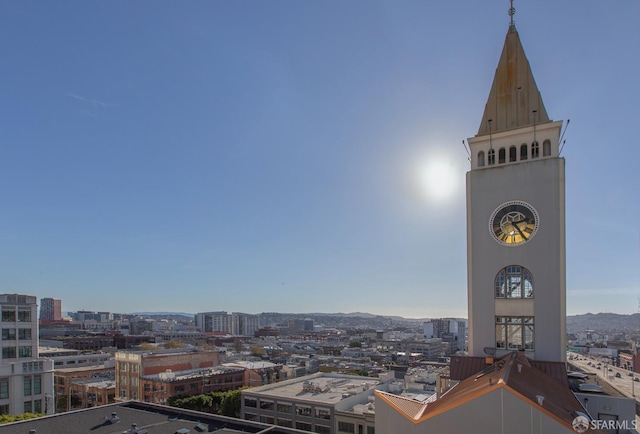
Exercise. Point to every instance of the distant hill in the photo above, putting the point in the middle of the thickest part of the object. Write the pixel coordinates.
(603, 322)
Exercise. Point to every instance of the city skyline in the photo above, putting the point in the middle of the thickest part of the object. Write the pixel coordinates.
(296, 157)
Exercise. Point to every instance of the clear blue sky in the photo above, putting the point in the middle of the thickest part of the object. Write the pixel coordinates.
(271, 156)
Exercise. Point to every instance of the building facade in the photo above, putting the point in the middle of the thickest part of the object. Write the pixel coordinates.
(236, 323)
(131, 366)
(319, 403)
(50, 309)
(26, 381)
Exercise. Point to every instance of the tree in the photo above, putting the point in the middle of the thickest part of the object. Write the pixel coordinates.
(6, 418)
(231, 403)
(173, 344)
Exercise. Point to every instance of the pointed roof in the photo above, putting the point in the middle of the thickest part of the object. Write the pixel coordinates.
(514, 94)
(513, 373)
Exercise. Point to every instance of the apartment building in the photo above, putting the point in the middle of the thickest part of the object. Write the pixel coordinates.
(236, 323)
(26, 381)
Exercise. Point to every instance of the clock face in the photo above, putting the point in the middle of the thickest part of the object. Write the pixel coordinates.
(514, 223)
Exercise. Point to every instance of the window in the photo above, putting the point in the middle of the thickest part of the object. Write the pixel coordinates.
(8, 314)
(4, 409)
(371, 430)
(523, 151)
(267, 419)
(492, 157)
(514, 281)
(546, 148)
(514, 332)
(9, 352)
(323, 429)
(535, 150)
(4, 388)
(24, 352)
(27, 386)
(502, 156)
(323, 413)
(303, 426)
(24, 314)
(8, 334)
(513, 154)
(346, 427)
(27, 407)
(37, 385)
(303, 410)
(266, 405)
(122, 366)
(481, 159)
(284, 408)
(24, 334)
(250, 416)
(285, 422)
(37, 406)
(249, 402)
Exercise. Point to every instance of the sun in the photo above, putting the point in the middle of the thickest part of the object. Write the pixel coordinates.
(438, 179)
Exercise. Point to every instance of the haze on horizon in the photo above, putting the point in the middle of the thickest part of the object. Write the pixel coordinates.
(296, 156)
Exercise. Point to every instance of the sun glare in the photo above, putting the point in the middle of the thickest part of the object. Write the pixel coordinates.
(438, 179)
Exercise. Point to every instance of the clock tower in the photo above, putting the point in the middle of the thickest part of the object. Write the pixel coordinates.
(516, 219)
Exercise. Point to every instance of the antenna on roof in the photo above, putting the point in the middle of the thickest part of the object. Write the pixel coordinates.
(562, 135)
(467, 149)
(512, 12)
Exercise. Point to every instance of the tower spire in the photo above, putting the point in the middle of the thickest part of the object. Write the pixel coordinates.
(512, 12)
(514, 100)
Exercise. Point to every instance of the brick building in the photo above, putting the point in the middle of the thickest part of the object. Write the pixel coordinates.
(157, 388)
(131, 366)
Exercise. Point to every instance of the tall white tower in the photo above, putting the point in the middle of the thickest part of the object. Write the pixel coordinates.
(516, 219)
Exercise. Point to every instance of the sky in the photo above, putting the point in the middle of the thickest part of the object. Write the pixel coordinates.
(296, 156)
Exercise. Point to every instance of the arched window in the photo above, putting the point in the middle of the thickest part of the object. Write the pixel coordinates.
(535, 150)
(492, 157)
(524, 153)
(481, 159)
(514, 281)
(513, 154)
(502, 154)
(546, 148)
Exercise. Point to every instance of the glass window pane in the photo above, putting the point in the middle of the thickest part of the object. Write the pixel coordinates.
(500, 336)
(514, 337)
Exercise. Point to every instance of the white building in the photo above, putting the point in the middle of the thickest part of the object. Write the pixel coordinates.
(26, 381)
(236, 323)
(320, 403)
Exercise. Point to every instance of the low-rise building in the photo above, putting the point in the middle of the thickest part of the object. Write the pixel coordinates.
(312, 403)
(131, 366)
(157, 388)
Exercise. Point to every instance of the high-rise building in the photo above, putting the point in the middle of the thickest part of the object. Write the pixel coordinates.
(26, 381)
(236, 323)
(516, 219)
(50, 309)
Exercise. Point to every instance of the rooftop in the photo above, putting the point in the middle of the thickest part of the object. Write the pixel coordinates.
(321, 387)
(150, 418)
